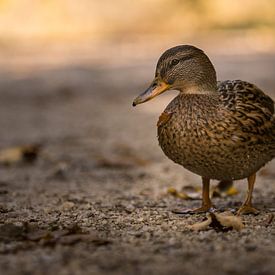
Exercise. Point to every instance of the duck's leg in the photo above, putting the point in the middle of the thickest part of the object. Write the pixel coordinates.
(247, 207)
(206, 202)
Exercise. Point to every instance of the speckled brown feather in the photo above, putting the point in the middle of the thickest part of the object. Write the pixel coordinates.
(226, 135)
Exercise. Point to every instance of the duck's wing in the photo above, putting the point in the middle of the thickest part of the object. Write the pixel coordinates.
(249, 108)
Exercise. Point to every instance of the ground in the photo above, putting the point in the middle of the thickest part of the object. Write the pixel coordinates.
(95, 200)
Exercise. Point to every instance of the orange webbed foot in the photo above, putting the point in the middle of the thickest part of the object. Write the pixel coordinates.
(247, 209)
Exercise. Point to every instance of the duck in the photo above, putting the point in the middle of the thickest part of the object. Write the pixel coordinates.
(219, 130)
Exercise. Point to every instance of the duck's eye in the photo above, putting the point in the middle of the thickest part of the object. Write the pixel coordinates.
(175, 62)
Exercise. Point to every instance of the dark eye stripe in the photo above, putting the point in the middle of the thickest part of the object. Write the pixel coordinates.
(176, 61)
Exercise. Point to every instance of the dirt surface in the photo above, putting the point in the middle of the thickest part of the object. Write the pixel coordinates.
(95, 200)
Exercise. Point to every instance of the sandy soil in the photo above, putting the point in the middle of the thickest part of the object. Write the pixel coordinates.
(95, 201)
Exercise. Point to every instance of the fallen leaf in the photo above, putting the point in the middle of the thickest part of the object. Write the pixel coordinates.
(172, 191)
(228, 220)
(25, 153)
(219, 222)
(224, 188)
(188, 193)
(194, 193)
(201, 225)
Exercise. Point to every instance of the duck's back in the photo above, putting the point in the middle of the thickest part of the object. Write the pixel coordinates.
(229, 135)
(251, 108)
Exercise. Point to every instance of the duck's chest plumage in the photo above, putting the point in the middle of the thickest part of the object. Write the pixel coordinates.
(199, 133)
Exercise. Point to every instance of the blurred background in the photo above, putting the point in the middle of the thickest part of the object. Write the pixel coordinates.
(52, 31)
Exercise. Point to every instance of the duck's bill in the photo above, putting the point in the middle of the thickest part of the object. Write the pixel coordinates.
(155, 89)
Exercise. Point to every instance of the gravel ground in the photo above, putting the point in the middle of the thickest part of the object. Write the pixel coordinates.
(95, 200)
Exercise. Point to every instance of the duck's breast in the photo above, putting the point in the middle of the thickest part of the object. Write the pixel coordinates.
(194, 132)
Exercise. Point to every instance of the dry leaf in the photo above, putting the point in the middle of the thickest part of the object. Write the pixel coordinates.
(228, 220)
(224, 188)
(216, 192)
(194, 193)
(188, 193)
(172, 191)
(201, 225)
(220, 222)
(25, 153)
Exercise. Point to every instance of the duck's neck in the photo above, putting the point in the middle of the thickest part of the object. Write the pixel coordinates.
(194, 88)
(207, 89)
(203, 82)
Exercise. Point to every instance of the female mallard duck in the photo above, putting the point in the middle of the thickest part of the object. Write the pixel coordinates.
(218, 130)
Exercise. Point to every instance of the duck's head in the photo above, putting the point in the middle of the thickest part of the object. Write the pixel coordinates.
(184, 68)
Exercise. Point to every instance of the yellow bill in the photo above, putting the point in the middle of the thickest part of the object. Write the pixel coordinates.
(156, 88)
